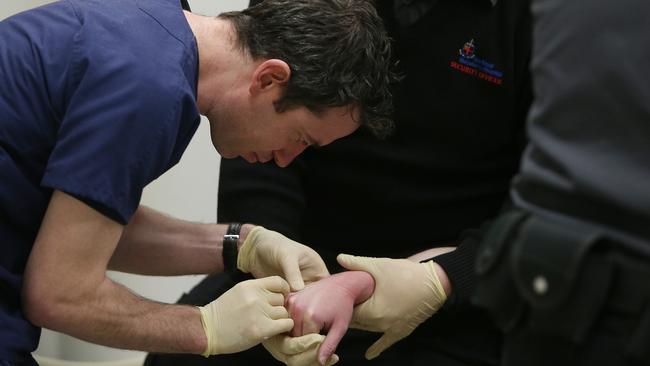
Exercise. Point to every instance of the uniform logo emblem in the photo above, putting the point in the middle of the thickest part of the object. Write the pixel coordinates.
(471, 64)
(468, 50)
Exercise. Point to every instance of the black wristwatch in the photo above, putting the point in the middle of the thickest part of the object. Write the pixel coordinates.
(230, 250)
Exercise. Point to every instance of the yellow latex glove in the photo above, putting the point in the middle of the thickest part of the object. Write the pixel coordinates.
(245, 315)
(406, 294)
(297, 351)
(269, 253)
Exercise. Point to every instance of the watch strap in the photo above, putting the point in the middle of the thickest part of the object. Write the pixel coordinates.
(230, 250)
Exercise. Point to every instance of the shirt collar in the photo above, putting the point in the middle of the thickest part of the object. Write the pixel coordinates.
(494, 2)
(169, 14)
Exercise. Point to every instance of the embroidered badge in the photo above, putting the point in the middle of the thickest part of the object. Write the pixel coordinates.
(469, 63)
(468, 50)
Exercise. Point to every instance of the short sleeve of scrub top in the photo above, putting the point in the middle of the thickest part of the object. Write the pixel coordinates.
(97, 99)
(132, 112)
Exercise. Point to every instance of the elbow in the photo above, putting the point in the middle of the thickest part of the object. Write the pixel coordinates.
(40, 306)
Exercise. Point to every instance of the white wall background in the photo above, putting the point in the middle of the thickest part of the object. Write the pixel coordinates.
(187, 191)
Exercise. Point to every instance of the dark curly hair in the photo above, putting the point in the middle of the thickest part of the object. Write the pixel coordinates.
(338, 51)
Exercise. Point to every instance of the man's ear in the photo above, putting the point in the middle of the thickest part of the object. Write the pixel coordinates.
(269, 74)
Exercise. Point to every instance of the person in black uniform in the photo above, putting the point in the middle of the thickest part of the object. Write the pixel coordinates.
(566, 274)
(460, 113)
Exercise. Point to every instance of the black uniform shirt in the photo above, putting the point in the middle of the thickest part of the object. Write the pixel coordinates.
(460, 115)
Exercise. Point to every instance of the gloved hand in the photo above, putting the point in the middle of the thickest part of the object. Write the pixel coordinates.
(269, 253)
(297, 351)
(406, 294)
(328, 305)
(245, 315)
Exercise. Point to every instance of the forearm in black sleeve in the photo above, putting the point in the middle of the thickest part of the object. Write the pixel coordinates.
(459, 267)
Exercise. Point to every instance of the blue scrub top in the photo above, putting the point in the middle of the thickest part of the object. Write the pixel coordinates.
(97, 99)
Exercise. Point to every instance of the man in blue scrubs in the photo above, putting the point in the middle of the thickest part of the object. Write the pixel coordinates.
(98, 99)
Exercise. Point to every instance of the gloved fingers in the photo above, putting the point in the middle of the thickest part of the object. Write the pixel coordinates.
(387, 339)
(274, 298)
(355, 263)
(316, 274)
(275, 284)
(334, 336)
(296, 345)
(308, 358)
(274, 327)
(315, 269)
(297, 351)
(332, 360)
(273, 346)
(380, 345)
(278, 312)
(291, 269)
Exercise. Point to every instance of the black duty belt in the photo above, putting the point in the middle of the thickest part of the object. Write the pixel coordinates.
(560, 279)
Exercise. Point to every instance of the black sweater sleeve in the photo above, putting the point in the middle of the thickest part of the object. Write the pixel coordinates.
(459, 267)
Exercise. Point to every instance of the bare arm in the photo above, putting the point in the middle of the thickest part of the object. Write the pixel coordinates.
(66, 288)
(430, 253)
(156, 244)
(440, 272)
